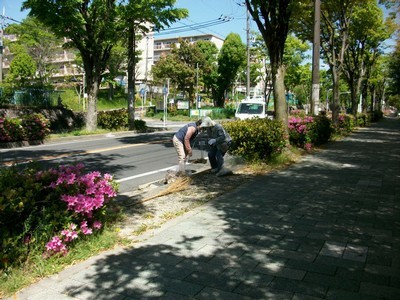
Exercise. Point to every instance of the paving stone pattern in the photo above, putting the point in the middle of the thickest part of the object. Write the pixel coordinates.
(325, 228)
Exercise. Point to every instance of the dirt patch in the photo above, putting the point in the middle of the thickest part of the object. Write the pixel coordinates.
(145, 210)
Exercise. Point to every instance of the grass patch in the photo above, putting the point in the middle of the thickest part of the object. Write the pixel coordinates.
(83, 132)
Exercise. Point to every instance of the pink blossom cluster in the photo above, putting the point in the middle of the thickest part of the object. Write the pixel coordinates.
(300, 124)
(85, 194)
(299, 128)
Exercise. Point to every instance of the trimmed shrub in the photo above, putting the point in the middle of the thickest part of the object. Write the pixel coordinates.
(113, 119)
(33, 127)
(256, 139)
(117, 119)
(36, 127)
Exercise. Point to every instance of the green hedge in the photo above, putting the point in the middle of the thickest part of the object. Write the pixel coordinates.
(117, 119)
(34, 127)
(256, 139)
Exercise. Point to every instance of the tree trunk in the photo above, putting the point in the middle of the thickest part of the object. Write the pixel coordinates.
(110, 91)
(92, 92)
(279, 97)
(336, 96)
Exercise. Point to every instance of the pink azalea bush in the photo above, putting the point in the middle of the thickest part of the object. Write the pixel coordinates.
(309, 131)
(299, 131)
(85, 197)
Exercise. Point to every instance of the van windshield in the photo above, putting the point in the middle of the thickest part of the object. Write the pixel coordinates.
(250, 108)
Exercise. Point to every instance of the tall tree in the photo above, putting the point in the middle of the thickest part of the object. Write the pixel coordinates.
(367, 32)
(180, 67)
(90, 27)
(335, 25)
(272, 18)
(394, 77)
(138, 18)
(231, 59)
(40, 43)
(209, 71)
(22, 70)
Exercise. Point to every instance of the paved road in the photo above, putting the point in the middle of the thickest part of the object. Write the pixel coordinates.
(325, 228)
(132, 158)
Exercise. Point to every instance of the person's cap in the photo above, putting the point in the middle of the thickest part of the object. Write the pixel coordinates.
(207, 122)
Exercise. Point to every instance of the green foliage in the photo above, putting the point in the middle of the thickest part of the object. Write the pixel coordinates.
(11, 130)
(256, 139)
(18, 212)
(231, 59)
(22, 69)
(113, 120)
(345, 125)
(34, 127)
(180, 67)
(35, 205)
(39, 43)
(117, 119)
(223, 113)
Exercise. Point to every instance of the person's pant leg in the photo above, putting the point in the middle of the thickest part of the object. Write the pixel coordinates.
(220, 159)
(180, 150)
(212, 153)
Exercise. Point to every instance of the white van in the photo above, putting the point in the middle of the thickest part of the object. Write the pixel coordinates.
(252, 108)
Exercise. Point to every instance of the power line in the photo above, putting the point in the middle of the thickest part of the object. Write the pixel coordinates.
(197, 26)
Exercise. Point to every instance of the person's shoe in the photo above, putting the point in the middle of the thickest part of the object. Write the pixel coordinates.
(214, 170)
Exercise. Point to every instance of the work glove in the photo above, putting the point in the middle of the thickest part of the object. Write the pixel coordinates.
(212, 142)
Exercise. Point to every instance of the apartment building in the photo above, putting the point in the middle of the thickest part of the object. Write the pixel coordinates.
(162, 46)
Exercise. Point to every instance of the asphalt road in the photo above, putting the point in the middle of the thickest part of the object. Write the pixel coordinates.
(133, 159)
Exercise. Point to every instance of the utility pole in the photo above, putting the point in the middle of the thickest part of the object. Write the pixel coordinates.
(145, 76)
(248, 52)
(197, 86)
(316, 56)
(1, 44)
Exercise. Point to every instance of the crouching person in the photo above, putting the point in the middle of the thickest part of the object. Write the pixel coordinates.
(219, 142)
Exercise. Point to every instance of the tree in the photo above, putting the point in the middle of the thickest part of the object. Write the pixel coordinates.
(367, 32)
(231, 59)
(272, 19)
(40, 43)
(116, 66)
(22, 69)
(293, 56)
(394, 77)
(137, 19)
(90, 28)
(180, 67)
(208, 73)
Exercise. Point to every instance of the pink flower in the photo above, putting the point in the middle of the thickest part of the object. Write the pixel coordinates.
(69, 235)
(85, 229)
(97, 225)
(56, 246)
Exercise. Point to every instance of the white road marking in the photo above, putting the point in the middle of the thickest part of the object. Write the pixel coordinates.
(147, 173)
(144, 174)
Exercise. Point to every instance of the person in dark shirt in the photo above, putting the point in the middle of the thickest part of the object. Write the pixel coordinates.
(219, 142)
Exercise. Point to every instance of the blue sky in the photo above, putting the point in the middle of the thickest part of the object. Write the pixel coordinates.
(200, 11)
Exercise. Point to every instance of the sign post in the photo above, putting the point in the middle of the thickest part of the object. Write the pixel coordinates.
(166, 92)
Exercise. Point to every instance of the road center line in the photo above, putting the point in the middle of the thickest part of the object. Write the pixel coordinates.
(145, 174)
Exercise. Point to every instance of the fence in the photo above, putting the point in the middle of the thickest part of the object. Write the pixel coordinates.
(37, 97)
